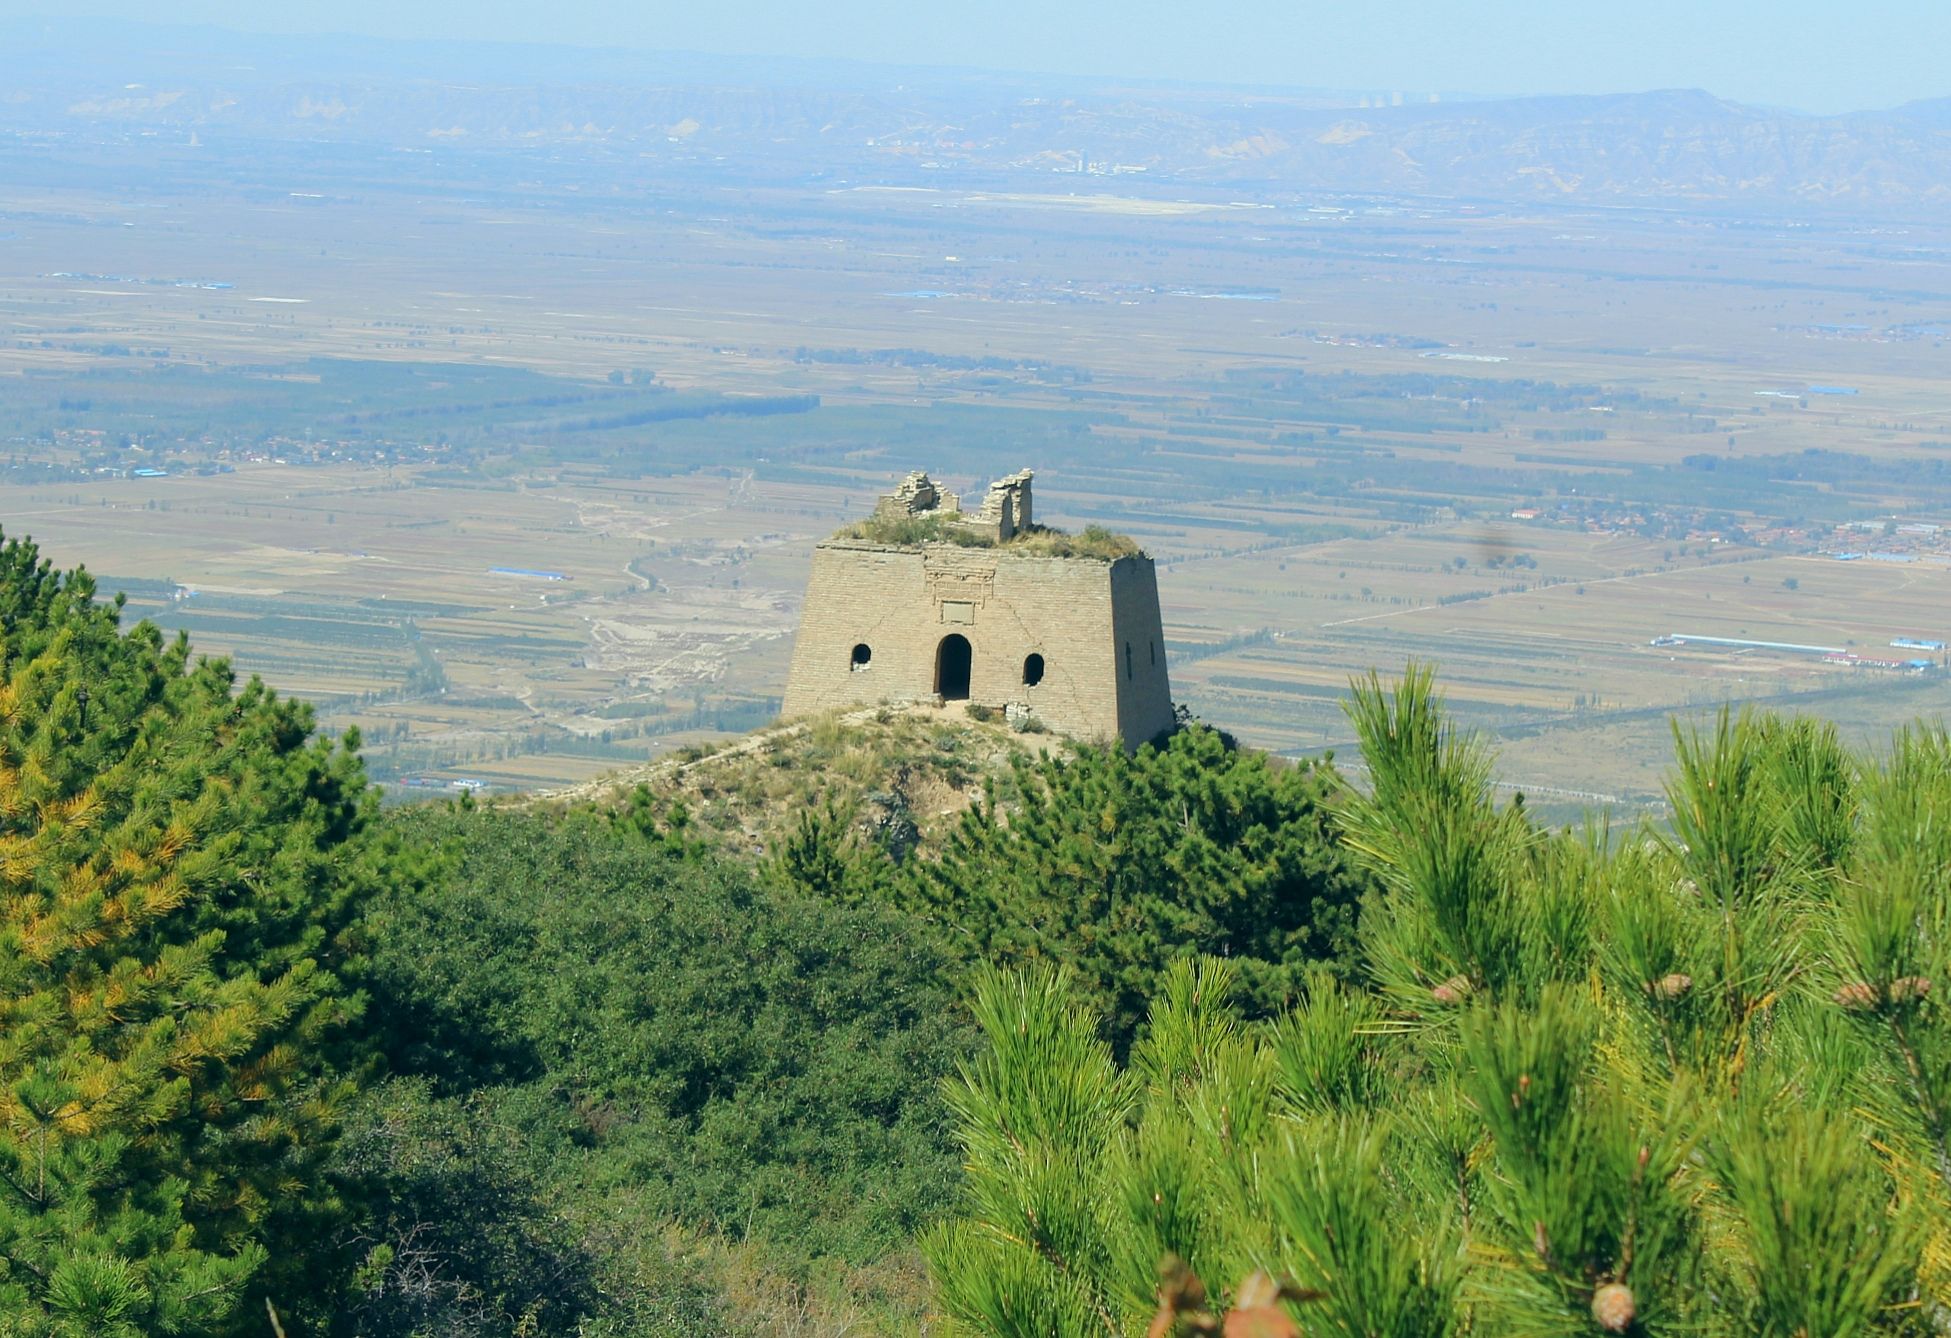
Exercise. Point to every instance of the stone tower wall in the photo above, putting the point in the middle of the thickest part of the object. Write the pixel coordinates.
(1144, 690)
(901, 602)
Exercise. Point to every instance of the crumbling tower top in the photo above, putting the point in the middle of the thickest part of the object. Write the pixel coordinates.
(1004, 513)
(917, 495)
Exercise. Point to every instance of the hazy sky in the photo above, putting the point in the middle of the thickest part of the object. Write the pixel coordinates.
(1815, 55)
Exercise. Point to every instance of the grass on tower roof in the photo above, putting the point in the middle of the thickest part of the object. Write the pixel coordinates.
(1093, 541)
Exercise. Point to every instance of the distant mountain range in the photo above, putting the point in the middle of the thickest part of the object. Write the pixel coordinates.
(828, 121)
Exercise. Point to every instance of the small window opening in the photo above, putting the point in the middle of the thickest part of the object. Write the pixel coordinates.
(1032, 671)
(1128, 670)
(1154, 654)
(863, 656)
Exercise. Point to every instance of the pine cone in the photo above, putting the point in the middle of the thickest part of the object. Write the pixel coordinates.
(1181, 1298)
(1670, 987)
(1909, 989)
(1260, 1322)
(1452, 991)
(1257, 1311)
(1857, 996)
(1613, 1308)
(1179, 1288)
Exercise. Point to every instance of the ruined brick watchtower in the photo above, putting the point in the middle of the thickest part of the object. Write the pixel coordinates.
(925, 601)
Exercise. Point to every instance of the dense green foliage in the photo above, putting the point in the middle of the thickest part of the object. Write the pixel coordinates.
(609, 1030)
(180, 861)
(448, 1071)
(465, 1070)
(479, 1071)
(1119, 865)
(1651, 1082)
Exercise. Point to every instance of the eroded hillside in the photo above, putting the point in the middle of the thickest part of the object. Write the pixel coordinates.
(901, 775)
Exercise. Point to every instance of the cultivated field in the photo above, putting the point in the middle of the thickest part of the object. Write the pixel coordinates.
(1319, 414)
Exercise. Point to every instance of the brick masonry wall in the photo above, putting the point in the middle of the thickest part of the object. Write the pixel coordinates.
(901, 603)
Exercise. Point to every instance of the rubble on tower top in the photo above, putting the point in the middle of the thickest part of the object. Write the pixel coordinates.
(918, 511)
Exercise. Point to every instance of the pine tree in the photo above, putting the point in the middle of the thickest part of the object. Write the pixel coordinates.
(178, 863)
(1119, 865)
(1682, 1080)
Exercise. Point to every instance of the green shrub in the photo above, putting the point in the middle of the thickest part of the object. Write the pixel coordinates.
(1119, 865)
(747, 1062)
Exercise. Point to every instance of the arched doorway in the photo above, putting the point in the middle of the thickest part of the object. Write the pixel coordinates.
(952, 668)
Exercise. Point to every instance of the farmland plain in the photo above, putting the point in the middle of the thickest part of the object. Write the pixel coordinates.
(383, 408)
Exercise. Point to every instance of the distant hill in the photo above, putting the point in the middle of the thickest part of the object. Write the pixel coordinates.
(816, 122)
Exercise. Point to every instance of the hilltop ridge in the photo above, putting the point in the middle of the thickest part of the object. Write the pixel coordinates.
(903, 773)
